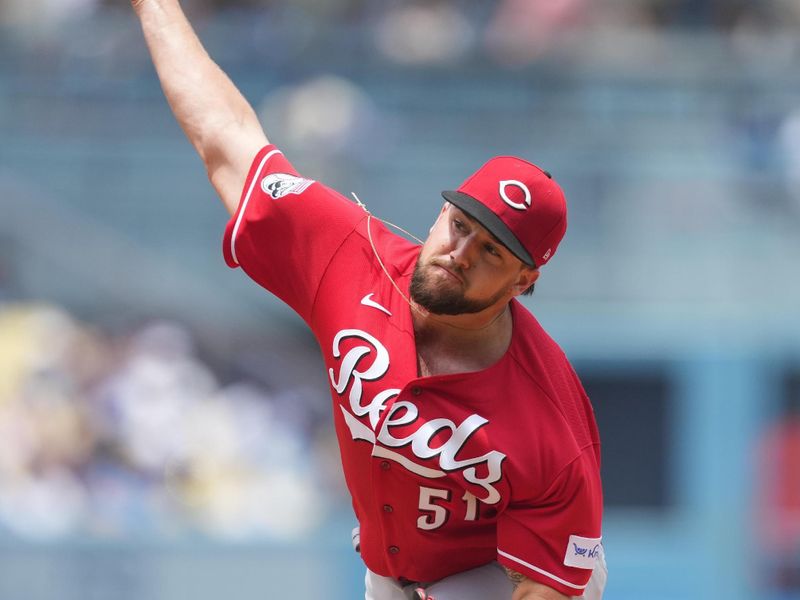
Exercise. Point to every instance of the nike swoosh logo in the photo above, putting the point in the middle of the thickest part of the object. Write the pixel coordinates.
(368, 301)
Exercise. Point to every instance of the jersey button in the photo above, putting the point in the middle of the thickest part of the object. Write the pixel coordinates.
(416, 390)
(393, 549)
(387, 508)
(385, 465)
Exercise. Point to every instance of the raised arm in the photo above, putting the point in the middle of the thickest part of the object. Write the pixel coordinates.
(219, 122)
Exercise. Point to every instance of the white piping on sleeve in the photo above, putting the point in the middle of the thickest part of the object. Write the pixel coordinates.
(542, 571)
(247, 199)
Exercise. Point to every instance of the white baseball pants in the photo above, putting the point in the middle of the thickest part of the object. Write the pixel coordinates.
(488, 582)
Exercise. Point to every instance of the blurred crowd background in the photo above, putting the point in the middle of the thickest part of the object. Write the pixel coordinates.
(165, 425)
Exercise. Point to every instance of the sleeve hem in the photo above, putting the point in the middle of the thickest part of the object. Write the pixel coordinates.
(229, 241)
(540, 575)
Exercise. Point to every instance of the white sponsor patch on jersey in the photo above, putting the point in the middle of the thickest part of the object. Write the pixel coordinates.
(582, 552)
(278, 185)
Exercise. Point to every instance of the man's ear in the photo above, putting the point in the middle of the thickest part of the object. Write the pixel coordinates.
(527, 277)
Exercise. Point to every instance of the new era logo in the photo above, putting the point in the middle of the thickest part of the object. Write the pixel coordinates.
(587, 552)
(582, 552)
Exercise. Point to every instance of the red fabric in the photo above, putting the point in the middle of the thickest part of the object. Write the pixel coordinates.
(527, 200)
(285, 243)
(779, 490)
(442, 470)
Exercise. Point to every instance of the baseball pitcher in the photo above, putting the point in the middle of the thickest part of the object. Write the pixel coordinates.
(469, 447)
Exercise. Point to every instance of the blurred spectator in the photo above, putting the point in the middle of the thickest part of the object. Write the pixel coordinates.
(521, 31)
(320, 117)
(44, 440)
(789, 143)
(41, 18)
(778, 468)
(424, 33)
(122, 435)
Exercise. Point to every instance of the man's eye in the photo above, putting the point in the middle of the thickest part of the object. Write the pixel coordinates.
(459, 225)
(492, 250)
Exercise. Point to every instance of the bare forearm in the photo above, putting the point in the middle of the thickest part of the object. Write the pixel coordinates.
(527, 589)
(216, 118)
(537, 595)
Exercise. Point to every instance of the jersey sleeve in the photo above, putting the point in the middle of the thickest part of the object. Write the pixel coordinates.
(555, 539)
(286, 230)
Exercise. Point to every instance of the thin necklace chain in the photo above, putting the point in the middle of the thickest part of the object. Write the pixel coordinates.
(408, 300)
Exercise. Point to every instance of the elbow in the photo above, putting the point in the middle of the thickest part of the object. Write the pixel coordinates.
(230, 144)
(227, 160)
(214, 146)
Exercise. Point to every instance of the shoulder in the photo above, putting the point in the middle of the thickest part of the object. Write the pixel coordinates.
(537, 358)
(274, 180)
(531, 339)
(395, 254)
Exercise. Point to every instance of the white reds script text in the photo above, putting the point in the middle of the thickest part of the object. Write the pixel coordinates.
(368, 361)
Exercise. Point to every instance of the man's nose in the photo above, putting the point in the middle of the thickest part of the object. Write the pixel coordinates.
(463, 253)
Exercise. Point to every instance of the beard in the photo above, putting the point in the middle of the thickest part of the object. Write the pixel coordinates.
(442, 299)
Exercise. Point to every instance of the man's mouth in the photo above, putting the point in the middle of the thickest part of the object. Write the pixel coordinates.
(451, 274)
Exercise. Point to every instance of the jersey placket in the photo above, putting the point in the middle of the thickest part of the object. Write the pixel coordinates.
(394, 523)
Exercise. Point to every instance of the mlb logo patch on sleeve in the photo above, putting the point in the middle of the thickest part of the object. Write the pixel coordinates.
(582, 552)
(278, 185)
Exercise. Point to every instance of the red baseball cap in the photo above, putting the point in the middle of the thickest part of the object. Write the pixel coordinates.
(519, 203)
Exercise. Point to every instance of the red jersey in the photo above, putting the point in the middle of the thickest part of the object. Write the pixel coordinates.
(447, 472)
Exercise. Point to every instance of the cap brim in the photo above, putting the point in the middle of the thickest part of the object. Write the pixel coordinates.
(481, 213)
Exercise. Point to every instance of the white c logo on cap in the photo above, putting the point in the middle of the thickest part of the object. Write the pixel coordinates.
(507, 182)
